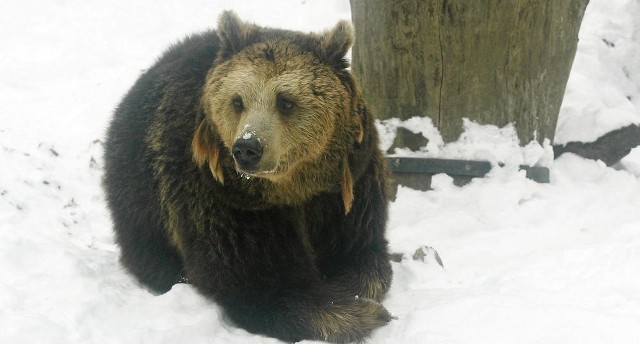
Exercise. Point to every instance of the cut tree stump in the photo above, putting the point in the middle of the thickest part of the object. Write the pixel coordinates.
(494, 62)
(610, 148)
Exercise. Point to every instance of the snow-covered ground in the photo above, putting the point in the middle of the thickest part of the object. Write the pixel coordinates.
(523, 262)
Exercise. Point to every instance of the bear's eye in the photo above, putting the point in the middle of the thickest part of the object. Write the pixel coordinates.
(285, 105)
(238, 105)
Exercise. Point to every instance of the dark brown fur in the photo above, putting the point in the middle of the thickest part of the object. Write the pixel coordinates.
(292, 247)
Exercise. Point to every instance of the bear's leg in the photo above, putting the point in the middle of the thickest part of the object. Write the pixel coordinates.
(154, 263)
(146, 251)
(352, 248)
(366, 272)
(267, 283)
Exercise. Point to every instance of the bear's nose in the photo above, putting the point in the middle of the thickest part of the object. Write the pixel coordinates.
(247, 152)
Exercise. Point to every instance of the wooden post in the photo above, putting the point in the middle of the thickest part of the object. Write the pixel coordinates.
(493, 61)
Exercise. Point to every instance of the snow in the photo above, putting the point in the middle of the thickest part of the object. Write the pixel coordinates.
(523, 262)
(603, 91)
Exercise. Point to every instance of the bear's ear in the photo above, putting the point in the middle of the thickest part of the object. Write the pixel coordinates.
(234, 34)
(335, 43)
(205, 148)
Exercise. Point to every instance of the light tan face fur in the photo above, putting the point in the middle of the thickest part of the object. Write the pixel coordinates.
(266, 78)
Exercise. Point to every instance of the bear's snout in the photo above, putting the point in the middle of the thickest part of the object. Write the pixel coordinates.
(247, 153)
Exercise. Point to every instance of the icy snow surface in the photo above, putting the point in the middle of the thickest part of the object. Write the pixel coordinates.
(523, 262)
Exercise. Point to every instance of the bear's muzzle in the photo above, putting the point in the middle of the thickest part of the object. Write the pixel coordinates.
(247, 153)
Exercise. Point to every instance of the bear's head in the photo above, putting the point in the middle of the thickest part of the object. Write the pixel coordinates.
(285, 109)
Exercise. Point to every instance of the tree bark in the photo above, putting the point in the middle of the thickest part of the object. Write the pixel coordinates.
(494, 62)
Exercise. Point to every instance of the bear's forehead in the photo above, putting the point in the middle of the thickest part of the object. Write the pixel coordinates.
(280, 54)
(266, 68)
(276, 62)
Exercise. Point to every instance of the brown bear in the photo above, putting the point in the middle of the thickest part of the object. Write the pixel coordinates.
(245, 160)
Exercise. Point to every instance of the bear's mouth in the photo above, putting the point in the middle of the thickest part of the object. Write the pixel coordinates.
(269, 170)
(258, 171)
(257, 174)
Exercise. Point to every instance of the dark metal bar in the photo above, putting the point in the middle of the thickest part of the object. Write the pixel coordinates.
(467, 168)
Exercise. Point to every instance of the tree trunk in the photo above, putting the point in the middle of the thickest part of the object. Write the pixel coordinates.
(494, 62)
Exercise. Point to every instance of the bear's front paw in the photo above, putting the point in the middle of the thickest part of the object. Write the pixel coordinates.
(366, 286)
(350, 321)
(369, 284)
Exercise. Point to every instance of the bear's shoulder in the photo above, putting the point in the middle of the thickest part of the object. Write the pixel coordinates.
(194, 53)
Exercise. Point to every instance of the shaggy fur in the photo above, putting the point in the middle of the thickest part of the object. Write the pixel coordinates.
(246, 160)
